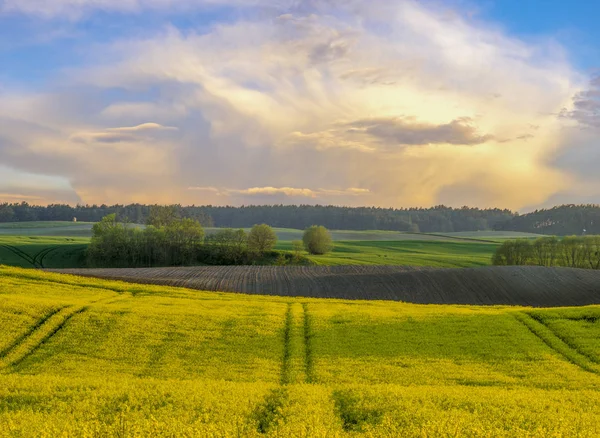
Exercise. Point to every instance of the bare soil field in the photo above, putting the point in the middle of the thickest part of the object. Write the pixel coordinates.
(507, 285)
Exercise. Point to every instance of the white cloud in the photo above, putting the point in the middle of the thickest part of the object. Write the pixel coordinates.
(74, 9)
(318, 97)
(292, 192)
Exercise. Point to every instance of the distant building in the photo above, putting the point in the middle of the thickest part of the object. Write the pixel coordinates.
(74, 219)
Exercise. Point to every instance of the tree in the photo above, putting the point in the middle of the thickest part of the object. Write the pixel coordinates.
(229, 245)
(591, 248)
(317, 240)
(572, 253)
(513, 252)
(163, 215)
(545, 251)
(262, 238)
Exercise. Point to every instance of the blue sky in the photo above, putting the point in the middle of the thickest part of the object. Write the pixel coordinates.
(391, 103)
(572, 23)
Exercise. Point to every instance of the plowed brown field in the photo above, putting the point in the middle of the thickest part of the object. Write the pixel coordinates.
(528, 286)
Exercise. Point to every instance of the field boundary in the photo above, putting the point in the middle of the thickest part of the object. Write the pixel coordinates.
(548, 337)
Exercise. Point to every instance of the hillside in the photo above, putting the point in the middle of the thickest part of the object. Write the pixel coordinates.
(503, 285)
(86, 357)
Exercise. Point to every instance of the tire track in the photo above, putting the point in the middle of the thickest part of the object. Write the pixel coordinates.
(287, 347)
(39, 336)
(29, 331)
(309, 365)
(20, 254)
(565, 339)
(547, 336)
(43, 331)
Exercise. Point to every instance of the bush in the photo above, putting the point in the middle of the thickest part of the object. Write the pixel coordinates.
(317, 240)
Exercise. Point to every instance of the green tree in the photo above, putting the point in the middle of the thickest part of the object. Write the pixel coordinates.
(545, 251)
(591, 248)
(572, 253)
(262, 238)
(513, 252)
(317, 240)
(163, 215)
(229, 245)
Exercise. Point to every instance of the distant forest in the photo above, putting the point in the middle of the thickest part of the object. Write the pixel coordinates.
(562, 220)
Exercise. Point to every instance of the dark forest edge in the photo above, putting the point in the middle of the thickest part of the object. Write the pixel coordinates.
(562, 220)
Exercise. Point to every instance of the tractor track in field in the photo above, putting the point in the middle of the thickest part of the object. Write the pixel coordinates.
(42, 331)
(43, 254)
(564, 339)
(309, 365)
(287, 350)
(20, 253)
(556, 344)
(39, 335)
(498, 285)
(29, 331)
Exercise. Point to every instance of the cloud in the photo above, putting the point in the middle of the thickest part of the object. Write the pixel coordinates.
(132, 134)
(75, 9)
(585, 108)
(291, 192)
(300, 102)
(405, 131)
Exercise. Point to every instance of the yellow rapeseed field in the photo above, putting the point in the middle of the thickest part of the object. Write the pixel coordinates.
(91, 358)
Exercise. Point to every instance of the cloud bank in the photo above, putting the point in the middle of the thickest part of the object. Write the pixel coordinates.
(390, 104)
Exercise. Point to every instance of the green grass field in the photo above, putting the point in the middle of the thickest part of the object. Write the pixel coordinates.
(443, 254)
(85, 357)
(61, 245)
(43, 252)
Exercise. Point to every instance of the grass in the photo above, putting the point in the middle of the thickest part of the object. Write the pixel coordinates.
(43, 251)
(21, 247)
(443, 254)
(86, 357)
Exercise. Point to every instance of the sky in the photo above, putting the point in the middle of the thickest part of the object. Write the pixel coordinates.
(391, 103)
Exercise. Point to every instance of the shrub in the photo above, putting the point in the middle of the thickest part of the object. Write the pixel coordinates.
(317, 240)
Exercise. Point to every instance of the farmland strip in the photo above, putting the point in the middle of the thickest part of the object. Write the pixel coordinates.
(308, 350)
(512, 285)
(287, 334)
(555, 343)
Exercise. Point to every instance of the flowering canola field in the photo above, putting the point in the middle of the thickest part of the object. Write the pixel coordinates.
(92, 358)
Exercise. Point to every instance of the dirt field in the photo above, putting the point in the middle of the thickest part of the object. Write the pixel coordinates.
(528, 286)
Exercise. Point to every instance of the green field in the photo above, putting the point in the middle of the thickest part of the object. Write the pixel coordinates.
(85, 357)
(61, 245)
(43, 252)
(443, 254)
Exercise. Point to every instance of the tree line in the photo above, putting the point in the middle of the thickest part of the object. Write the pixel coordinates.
(435, 219)
(562, 220)
(169, 240)
(572, 251)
